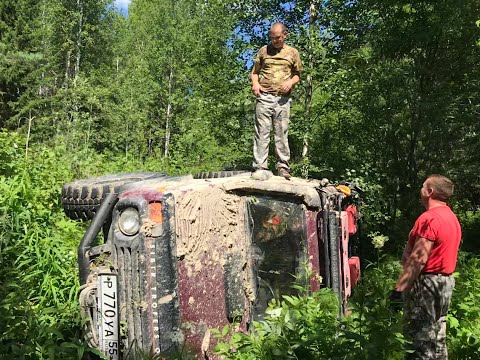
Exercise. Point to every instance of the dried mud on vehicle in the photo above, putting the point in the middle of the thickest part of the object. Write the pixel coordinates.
(208, 218)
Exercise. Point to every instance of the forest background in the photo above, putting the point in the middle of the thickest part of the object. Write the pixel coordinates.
(390, 93)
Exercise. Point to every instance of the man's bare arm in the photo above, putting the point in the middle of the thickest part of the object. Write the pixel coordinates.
(256, 87)
(415, 264)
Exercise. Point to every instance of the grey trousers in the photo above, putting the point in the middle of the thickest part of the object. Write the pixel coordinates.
(271, 110)
(425, 312)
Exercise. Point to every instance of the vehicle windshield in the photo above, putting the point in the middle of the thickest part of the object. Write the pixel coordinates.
(279, 248)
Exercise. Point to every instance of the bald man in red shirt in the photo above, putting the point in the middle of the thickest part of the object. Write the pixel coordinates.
(426, 282)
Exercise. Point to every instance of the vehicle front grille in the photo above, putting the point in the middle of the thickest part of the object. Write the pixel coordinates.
(132, 298)
(148, 288)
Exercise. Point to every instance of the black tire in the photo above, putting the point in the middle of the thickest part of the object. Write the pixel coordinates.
(218, 174)
(82, 198)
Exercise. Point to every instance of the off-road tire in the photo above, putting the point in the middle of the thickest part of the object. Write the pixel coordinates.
(82, 198)
(218, 174)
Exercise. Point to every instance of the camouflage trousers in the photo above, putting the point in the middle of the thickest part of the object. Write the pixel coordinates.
(271, 111)
(425, 311)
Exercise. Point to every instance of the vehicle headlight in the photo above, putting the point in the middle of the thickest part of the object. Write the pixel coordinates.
(129, 221)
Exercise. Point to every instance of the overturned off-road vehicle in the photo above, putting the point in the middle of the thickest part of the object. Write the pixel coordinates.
(182, 255)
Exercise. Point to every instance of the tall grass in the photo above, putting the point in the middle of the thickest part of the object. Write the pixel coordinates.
(38, 278)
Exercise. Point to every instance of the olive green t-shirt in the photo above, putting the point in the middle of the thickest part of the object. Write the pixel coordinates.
(274, 66)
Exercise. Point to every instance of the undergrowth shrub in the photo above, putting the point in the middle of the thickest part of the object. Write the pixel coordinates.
(376, 328)
(308, 326)
(297, 327)
(470, 222)
(464, 316)
(38, 277)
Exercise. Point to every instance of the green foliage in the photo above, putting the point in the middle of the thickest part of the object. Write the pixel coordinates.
(38, 277)
(183, 102)
(297, 327)
(308, 327)
(375, 327)
(464, 315)
(470, 222)
(390, 93)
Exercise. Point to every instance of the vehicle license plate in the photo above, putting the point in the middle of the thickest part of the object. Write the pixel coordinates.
(108, 315)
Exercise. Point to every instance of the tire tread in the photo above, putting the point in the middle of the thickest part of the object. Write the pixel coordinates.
(82, 198)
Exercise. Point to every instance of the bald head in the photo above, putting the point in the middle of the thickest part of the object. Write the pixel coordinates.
(278, 34)
(278, 26)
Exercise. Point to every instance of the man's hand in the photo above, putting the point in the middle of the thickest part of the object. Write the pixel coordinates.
(286, 86)
(396, 299)
(257, 89)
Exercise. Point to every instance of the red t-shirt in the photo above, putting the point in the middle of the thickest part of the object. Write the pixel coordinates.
(441, 226)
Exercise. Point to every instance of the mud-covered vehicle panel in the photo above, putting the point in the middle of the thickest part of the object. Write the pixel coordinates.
(187, 255)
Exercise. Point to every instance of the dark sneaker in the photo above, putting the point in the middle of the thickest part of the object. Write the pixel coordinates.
(284, 172)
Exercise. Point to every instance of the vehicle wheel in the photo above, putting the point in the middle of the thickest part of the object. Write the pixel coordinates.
(218, 174)
(82, 198)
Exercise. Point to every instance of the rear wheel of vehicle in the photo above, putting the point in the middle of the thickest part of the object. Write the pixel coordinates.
(82, 198)
(218, 174)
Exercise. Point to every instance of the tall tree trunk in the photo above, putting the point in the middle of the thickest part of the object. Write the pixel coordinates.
(170, 88)
(79, 39)
(169, 114)
(127, 129)
(309, 85)
(67, 67)
(30, 119)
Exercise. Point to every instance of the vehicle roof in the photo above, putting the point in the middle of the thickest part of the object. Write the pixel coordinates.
(305, 190)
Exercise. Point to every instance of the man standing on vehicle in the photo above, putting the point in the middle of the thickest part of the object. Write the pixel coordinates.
(429, 260)
(275, 72)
